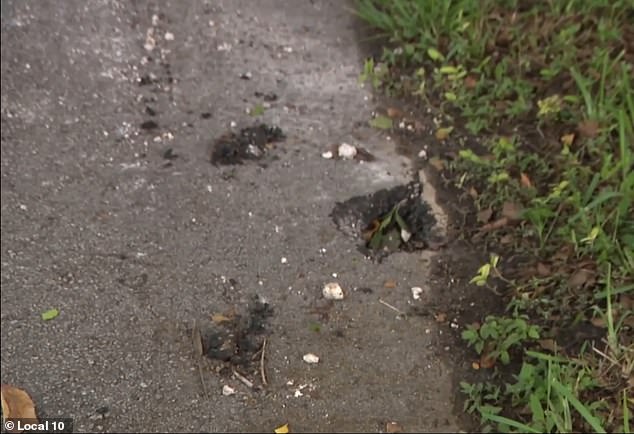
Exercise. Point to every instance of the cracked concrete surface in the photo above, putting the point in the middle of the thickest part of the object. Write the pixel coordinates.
(131, 249)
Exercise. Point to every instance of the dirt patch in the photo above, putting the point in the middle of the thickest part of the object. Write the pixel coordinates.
(250, 143)
(388, 220)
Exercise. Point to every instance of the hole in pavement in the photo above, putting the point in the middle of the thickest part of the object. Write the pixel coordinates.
(250, 143)
(386, 221)
(236, 339)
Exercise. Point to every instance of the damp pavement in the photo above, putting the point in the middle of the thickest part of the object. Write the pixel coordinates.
(113, 214)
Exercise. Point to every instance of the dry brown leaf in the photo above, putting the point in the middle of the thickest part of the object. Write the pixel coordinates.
(470, 81)
(437, 163)
(580, 278)
(487, 361)
(499, 223)
(393, 112)
(369, 232)
(390, 284)
(511, 211)
(473, 193)
(485, 215)
(525, 180)
(219, 318)
(17, 404)
(588, 128)
(598, 321)
(567, 139)
(393, 427)
(543, 270)
(548, 344)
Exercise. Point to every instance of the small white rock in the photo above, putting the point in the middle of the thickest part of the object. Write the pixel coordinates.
(228, 390)
(311, 358)
(284, 260)
(333, 291)
(346, 151)
(327, 155)
(422, 154)
(169, 36)
(405, 235)
(416, 292)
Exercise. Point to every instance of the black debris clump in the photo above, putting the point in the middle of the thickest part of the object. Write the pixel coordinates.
(249, 143)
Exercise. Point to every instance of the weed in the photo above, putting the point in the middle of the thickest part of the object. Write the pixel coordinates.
(547, 87)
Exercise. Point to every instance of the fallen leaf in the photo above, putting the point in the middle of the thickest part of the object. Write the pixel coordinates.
(390, 284)
(381, 122)
(511, 211)
(525, 180)
(437, 163)
(369, 232)
(581, 277)
(487, 361)
(485, 215)
(219, 318)
(588, 128)
(393, 427)
(282, 429)
(598, 321)
(543, 270)
(475, 365)
(567, 139)
(50, 314)
(548, 344)
(473, 193)
(443, 133)
(499, 223)
(470, 82)
(16, 404)
(393, 112)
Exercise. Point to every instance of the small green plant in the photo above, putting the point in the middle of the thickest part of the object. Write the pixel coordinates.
(498, 336)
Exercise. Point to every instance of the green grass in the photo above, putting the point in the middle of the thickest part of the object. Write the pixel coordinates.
(546, 88)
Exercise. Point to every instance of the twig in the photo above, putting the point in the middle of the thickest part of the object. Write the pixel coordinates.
(262, 373)
(202, 378)
(198, 352)
(385, 303)
(242, 378)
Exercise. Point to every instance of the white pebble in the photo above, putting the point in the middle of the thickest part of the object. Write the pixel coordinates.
(346, 151)
(333, 291)
(311, 358)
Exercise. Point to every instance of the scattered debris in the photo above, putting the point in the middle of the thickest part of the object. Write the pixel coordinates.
(416, 292)
(243, 379)
(169, 36)
(388, 220)
(333, 291)
(149, 125)
(347, 151)
(249, 144)
(385, 303)
(50, 314)
(311, 358)
(233, 340)
(228, 390)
